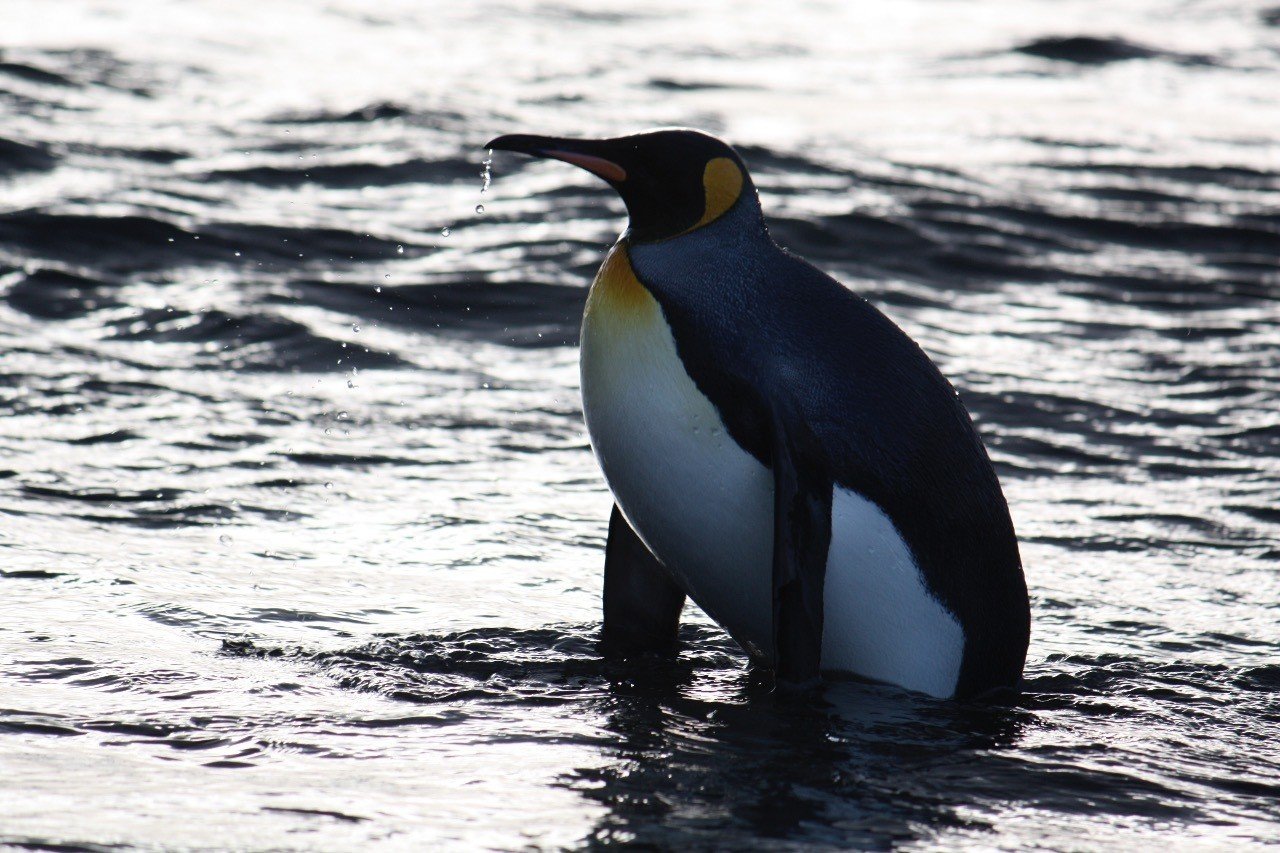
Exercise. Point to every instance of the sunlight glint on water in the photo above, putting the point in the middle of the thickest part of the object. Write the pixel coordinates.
(302, 535)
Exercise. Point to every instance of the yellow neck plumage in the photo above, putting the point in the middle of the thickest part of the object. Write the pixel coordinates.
(617, 297)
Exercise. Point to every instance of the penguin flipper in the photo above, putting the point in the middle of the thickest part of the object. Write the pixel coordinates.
(801, 536)
(642, 603)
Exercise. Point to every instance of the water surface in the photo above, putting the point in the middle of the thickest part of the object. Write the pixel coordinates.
(302, 538)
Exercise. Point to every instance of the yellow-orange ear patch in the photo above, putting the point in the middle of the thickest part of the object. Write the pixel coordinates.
(722, 181)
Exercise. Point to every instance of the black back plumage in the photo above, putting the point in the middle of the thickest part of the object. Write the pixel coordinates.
(751, 320)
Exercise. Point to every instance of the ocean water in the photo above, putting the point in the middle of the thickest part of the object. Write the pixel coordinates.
(300, 534)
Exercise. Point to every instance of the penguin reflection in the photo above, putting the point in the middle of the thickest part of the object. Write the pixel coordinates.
(727, 764)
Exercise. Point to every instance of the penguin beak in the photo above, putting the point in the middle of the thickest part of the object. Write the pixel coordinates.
(589, 154)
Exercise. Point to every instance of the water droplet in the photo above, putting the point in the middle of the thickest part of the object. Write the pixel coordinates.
(237, 254)
(444, 232)
(328, 485)
(486, 174)
(479, 208)
(378, 289)
(399, 250)
(224, 540)
(350, 384)
(328, 431)
(355, 327)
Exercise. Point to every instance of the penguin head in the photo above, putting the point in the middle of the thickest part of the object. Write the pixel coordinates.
(672, 180)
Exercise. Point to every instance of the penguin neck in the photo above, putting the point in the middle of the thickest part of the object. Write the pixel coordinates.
(706, 254)
(743, 220)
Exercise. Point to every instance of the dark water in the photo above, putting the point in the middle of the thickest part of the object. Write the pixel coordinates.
(301, 536)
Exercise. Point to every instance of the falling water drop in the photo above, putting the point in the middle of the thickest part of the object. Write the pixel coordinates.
(444, 232)
(479, 208)
(486, 174)
(399, 250)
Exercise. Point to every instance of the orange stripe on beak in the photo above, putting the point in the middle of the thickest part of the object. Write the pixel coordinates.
(598, 166)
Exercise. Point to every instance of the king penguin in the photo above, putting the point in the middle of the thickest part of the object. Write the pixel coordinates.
(778, 450)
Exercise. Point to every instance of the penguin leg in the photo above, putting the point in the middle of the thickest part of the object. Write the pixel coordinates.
(801, 537)
(642, 603)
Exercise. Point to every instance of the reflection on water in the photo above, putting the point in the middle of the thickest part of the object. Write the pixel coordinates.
(302, 537)
(695, 752)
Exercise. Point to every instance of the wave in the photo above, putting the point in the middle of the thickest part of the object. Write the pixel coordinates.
(25, 157)
(148, 241)
(1102, 50)
(352, 175)
(521, 314)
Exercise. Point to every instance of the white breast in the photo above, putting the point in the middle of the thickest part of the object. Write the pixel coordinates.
(704, 506)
